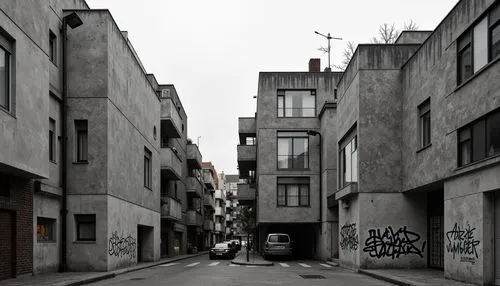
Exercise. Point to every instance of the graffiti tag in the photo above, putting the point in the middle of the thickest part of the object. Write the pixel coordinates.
(120, 246)
(349, 237)
(390, 243)
(461, 241)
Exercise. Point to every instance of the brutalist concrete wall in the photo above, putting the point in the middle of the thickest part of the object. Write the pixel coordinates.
(268, 124)
(46, 254)
(24, 127)
(349, 245)
(412, 37)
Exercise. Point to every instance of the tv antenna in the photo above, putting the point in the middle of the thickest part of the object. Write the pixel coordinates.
(328, 37)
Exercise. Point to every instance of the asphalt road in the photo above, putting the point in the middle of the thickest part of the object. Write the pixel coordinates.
(202, 271)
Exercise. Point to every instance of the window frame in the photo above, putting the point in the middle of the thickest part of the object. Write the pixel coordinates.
(8, 73)
(351, 136)
(53, 224)
(302, 136)
(148, 176)
(52, 140)
(424, 110)
(470, 127)
(282, 93)
(460, 51)
(491, 26)
(85, 219)
(81, 150)
(52, 47)
(300, 185)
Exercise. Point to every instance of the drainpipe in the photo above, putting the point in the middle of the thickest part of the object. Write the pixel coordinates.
(73, 21)
(314, 133)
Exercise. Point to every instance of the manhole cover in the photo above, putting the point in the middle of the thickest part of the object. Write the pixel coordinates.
(312, 276)
(136, 279)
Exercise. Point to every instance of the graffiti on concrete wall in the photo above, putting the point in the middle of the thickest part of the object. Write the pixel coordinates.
(393, 243)
(461, 242)
(121, 246)
(349, 237)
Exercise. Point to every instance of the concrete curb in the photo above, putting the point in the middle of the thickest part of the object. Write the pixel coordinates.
(262, 263)
(385, 278)
(112, 274)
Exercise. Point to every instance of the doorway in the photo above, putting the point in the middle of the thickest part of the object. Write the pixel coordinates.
(435, 225)
(145, 243)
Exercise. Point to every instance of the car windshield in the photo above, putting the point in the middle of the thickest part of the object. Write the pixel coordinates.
(278, 238)
(221, 245)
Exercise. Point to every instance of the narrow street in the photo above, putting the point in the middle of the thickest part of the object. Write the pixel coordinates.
(202, 271)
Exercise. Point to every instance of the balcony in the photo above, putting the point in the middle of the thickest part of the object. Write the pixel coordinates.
(229, 217)
(220, 195)
(246, 194)
(193, 156)
(209, 225)
(247, 127)
(209, 201)
(220, 211)
(171, 122)
(171, 209)
(209, 180)
(194, 187)
(247, 159)
(218, 227)
(194, 218)
(171, 166)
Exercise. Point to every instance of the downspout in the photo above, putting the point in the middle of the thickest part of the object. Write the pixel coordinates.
(64, 208)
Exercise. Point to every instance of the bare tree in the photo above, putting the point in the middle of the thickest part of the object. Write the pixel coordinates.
(387, 34)
(346, 55)
(411, 26)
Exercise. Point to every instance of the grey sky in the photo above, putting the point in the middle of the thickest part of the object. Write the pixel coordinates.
(212, 51)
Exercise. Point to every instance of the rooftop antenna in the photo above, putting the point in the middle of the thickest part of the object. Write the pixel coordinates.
(328, 37)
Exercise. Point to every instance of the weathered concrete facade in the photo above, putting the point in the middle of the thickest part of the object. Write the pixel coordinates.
(445, 209)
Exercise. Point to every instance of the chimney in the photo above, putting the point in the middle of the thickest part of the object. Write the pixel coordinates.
(314, 65)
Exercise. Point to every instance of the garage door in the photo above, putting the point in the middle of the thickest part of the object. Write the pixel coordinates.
(6, 244)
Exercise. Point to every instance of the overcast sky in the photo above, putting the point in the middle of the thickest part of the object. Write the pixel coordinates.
(213, 51)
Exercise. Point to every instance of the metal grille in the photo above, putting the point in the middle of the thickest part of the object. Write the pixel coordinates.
(312, 276)
(436, 243)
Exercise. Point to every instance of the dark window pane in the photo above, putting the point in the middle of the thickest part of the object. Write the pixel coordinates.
(85, 227)
(465, 64)
(4, 79)
(495, 41)
(52, 130)
(493, 134)
(81, 140)
(464, 134)
(304, 195)
(494, 16)
(281, 195)
(45, 229)
(4, 185)
(465, 153)
(426, 129)
(478, 141)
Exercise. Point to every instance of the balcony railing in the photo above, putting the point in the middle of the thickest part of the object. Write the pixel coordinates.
(194, 158)
(171, 122)
(220, 211)
(194, 187)
(229, 217)
(171, 166)
(220, 195)
(209, 201)
(171, 208)
(247, 127)
(218, 227)
(194, 218)
(247, 153)
(209, 180)
(246, 194)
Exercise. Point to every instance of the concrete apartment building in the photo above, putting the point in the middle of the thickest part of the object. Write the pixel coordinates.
(210, 180)
(232, 206)
(279, 158)
(116, 161)
(220, 209)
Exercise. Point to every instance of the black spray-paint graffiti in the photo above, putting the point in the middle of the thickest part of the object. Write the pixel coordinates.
(349, 237)
(120, 246)
(461, 241)
(389, 243)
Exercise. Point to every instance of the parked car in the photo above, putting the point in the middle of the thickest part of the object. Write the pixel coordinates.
(278, 244)
(238, 244)
(222, 250)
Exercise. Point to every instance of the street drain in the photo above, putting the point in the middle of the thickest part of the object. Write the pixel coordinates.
(312, 276)
(136, 279)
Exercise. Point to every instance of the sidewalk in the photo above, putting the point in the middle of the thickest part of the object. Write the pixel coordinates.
(412, 277)
(254, 259)
(81, 278)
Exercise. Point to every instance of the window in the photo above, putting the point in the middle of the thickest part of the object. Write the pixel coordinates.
(424, 122)
(494, 32)
(45, 229)
(479, 45)
(52, 47)
(85, 227)
(296, 103)
(5, 63)
(52, 140)
(4, 185)
(348, 160)
(250, 141)
(293, 150)
(81, 129)
(293, 192)
(479, 140)
(147, 168)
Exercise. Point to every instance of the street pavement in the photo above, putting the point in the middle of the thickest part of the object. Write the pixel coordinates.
(202, 271)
